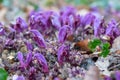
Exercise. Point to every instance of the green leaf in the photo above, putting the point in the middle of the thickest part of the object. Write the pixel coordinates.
(105, 49)
(106, 45)
(94, 43)
(104, 53)
(3, 74)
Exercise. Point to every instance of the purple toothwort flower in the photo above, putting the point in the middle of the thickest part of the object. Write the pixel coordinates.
(110, 28)
(42, 61)
(67, 16)
(38, 21)
(63, 33)
(20, 25)
(98, 27)
(117, 75)
(21, 59)
(24, 63)
(28, 58)
(38, 38)
(88, 19)
(55, 20)
(62, 53)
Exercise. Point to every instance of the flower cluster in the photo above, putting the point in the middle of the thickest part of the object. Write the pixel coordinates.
(41, 24)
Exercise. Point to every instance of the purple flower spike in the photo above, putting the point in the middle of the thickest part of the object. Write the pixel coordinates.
(20, 25)
(107, 78)
(62, 52)
(28, 58)
(117, 75)
(21, 59)
(63, 33)
(42, 61)
(38, 38)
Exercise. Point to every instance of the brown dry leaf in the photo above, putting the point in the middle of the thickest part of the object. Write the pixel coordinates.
(82, 45)
(92, 73)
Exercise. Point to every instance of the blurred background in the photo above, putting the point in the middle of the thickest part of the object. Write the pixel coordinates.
(10, 9)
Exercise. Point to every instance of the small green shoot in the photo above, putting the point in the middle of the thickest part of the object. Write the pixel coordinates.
(104, 47)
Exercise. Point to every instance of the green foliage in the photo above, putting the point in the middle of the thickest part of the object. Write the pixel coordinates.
(94, 43)
(104, 47)
(3, 74)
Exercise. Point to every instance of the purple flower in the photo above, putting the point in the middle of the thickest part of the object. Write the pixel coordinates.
(42, 61)
(110, 28)
(55, 20)
(67, 16)
(62, 53)
(38, 20)
(28, 58)
(20, 25)
(88, 19)
(63, 33)
(24, 63)
(38, 38)
(117, 75)
(97, 27)
(21, 59)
